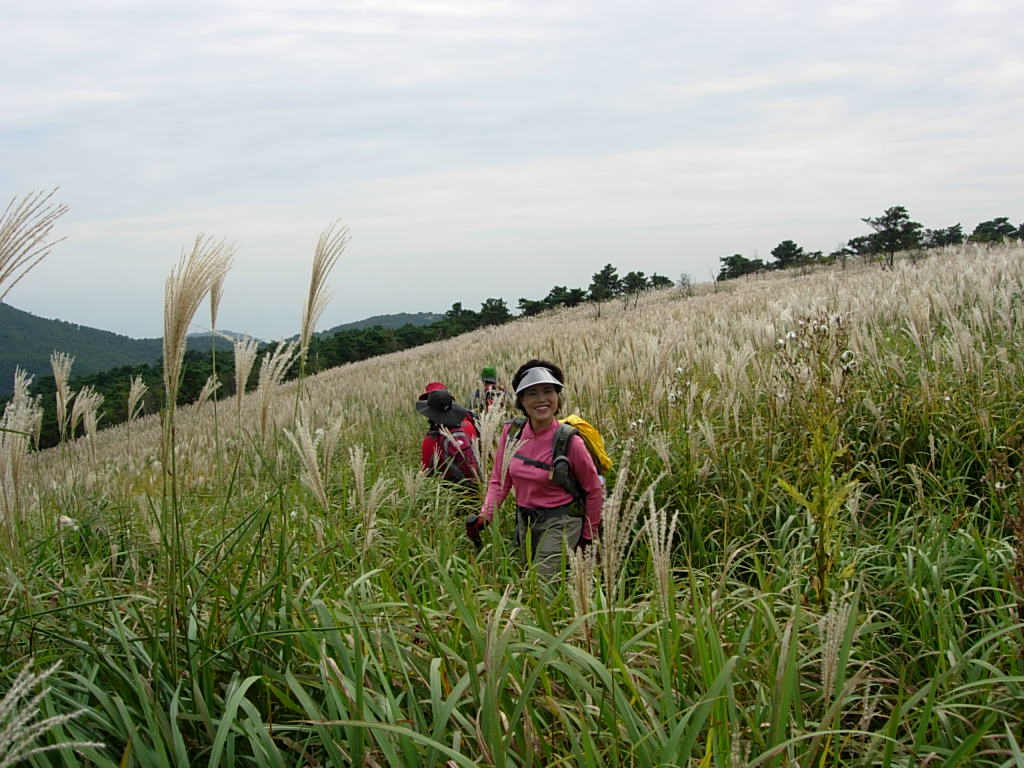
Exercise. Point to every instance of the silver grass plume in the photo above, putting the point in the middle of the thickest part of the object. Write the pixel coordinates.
(618, 524)
(212, 385)
(661, 444)
(357, 460)
(328, 250)
(306, 445)
(189, 282)
(136, 392)
(499, 631)
(90, 419)
(368, 502)
(20, 727)
(216, 294)
(24, 229)
(273, 368)
(17, 425)
(619, 517)
(491, 422)
(87, 401)
(611, 520)
(413, 480)
(869, 709)
(379, 492)
(582, 567)
(511, 448)
(660, 532)
(245, 356)
(833, 627)
(60, 363)
(37, 423)
(329, 444)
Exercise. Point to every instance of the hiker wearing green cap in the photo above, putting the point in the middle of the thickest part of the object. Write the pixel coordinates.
(490, 393)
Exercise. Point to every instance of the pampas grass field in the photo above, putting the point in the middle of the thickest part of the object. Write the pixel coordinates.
(813, 552)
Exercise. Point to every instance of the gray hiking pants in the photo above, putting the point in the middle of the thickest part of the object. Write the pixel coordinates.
(543, 534)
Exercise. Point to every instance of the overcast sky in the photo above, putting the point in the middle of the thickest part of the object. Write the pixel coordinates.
(484, 149)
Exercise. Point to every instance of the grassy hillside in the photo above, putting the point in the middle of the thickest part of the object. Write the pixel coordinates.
(808, 555)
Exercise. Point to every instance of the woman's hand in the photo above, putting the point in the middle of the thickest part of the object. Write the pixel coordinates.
(475, 525)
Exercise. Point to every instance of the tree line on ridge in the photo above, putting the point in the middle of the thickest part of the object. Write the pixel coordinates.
(894, 231)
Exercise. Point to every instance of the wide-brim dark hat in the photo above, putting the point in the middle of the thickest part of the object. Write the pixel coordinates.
(440, 407)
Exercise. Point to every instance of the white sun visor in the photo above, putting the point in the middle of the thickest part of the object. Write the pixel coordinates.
(534, 376)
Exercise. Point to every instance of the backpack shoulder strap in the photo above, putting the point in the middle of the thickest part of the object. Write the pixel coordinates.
(559, 455)
(516, 427)
(563, 435)
(560, 461)
(455, 435)
(514, 432)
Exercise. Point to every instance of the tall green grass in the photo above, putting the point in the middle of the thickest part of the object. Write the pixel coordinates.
(837, 589)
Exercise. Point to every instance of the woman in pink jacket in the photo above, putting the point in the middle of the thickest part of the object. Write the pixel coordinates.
(549, 520)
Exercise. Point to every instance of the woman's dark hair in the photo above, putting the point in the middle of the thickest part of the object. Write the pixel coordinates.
(555, 371)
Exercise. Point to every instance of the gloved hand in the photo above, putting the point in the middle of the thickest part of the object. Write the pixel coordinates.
(475, 525)
(583, 545)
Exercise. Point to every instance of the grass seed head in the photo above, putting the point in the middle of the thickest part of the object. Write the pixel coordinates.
(24, 231)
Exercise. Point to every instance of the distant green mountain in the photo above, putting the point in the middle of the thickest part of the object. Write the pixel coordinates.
(393, 322)
(26, 341)
(227, 337)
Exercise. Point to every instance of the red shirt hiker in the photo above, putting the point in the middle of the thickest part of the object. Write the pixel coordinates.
(451, 446)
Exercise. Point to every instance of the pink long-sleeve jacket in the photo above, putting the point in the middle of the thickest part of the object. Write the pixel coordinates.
(534, 489)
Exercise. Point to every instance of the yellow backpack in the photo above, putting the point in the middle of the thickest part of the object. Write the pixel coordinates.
(593, 440)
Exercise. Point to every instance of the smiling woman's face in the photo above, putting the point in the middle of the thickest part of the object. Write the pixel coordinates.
(540, 403)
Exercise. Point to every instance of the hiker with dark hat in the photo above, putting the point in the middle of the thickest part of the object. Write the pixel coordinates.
(490, 393)
(450, 448)
(547, 520)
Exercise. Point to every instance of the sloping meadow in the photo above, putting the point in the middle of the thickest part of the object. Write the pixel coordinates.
(808, 556)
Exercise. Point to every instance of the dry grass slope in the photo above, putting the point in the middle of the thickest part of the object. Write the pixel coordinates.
(702, 359)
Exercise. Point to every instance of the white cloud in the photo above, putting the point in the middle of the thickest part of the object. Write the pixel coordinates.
(545, 138)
